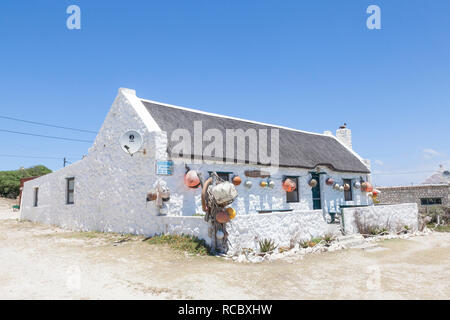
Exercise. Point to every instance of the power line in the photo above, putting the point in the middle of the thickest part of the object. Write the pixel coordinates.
(34, 157)
(44, 136)
(47, 125)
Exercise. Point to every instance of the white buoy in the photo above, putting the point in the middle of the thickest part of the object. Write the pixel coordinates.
(219, 234)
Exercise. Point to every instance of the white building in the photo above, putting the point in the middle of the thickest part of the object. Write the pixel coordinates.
(107, 189)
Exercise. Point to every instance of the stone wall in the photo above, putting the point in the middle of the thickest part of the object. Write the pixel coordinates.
(396, 195)
(392, 217)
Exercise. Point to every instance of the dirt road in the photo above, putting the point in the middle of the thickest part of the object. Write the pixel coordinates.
(38, 261)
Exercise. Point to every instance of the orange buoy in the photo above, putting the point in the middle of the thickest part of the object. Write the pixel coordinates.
(346, 186)
(237, 180)
(191, 179)
(366, 187)
(222, 217)
(289, 185)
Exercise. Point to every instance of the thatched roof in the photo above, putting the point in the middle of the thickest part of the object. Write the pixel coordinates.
(296, 148)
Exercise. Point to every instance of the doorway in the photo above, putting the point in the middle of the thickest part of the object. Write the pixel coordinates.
(317, 201)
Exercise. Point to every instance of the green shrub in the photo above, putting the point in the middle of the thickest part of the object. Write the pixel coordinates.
(10, 180)
(184, 243)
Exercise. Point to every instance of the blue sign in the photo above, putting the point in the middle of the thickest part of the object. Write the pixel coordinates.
(164, 167)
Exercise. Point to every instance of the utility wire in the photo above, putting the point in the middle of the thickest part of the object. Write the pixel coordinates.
(47, 125)
(44, 136)
(35, 157)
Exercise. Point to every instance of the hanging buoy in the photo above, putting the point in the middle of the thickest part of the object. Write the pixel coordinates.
(366, 187)
(236, 180)
(375, 192)
(222, 217)
(329, 181)
(271, 184)
(341, 188)
(336, 186)
(152, 195)
(248, 184)
(263, 183)
(289, 185)
(191, 179)
(357, 184)
(312, 183)
(220, 234)
(370, 194)
(346, 186)
(231, 213)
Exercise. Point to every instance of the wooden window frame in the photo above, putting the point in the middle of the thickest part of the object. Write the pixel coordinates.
(296, 179)
(68, 191)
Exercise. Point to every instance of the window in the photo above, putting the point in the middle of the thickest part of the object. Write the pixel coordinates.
(70, 190)
(35, 201)
(348, 195)
(292, 196)
(430, 201)
(223, 175)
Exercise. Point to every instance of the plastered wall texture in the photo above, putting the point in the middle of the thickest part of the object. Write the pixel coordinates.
(111, 188)
(394, 195)
(246, 231)
(393, 217)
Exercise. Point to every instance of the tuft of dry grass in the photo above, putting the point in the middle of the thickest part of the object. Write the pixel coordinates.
(190, 244)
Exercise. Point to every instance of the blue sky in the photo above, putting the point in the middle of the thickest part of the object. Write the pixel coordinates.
(310, 65)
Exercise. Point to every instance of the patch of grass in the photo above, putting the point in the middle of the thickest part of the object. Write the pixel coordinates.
(439, 228)
(184, 243)
(266, 245)
(314, 241)
(86, 234)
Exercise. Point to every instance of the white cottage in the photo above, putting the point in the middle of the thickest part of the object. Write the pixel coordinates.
(107, 189)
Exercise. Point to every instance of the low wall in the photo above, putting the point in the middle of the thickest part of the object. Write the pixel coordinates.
(392, 217)
(245, 231)
(193, 226)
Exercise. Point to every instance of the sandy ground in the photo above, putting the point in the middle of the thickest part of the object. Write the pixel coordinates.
(43, 262)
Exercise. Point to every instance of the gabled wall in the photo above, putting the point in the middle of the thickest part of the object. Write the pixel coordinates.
(110, 185)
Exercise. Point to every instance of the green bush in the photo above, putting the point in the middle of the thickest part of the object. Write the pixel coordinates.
(10, 180)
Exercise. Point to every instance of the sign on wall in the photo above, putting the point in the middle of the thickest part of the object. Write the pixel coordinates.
(164, 167)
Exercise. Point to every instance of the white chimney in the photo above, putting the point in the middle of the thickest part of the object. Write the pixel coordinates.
(344, 135)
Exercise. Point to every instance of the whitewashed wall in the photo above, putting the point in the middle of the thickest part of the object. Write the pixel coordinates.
(394, 216)
(332, 199)
(246, 231)
(111, 185)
